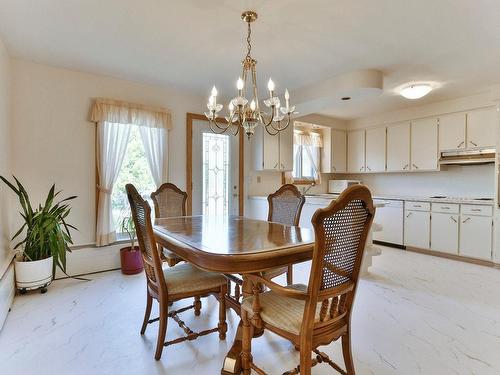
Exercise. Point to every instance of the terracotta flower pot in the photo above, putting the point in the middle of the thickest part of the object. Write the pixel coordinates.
(131, 260)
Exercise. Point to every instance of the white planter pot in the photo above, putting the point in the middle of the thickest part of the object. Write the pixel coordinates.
(33, 275)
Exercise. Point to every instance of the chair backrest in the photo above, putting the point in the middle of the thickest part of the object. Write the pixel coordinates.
(169, 201)
(285, 205)
(141, 214)
(341, 230)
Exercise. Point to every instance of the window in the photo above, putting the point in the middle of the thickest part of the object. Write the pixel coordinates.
(306, 150)
(134, 170)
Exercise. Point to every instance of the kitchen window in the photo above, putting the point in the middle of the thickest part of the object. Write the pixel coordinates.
(307, 157)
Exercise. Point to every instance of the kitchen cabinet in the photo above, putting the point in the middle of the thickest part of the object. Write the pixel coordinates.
(273, 152)
(417, 225)
(476, 231)
(452, 131)
(390, 217)
(481, 128)
(398, 147)
(339, 151)
(424, 145)
(375, 150)
(356, 151)
(444, 232)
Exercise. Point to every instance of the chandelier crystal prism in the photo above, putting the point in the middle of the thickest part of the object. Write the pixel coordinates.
(245, 113)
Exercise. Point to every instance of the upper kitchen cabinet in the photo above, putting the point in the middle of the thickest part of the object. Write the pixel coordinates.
(273, 152)
(481, 128)
(398, 147)
(334, 151)
(452, 131)
(375, 150)
(424, 145)
(356, 151)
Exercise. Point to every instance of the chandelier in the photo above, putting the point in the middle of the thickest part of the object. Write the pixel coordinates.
(243, 114)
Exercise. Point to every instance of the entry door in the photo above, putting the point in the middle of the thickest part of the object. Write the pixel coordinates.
(215, 169)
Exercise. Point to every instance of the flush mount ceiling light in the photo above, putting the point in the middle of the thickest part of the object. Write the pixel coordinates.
(416, 91)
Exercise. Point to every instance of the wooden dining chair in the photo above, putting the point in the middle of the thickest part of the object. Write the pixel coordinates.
(169, 284)
(285, 206)
(169, 201)
(317, 314)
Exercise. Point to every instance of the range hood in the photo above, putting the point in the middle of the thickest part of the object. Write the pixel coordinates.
(466, 157)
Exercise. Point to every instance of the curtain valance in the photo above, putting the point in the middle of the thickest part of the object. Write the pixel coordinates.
(116, 111)
(308, 139)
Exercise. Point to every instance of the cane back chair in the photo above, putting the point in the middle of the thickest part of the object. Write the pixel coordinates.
(285, 206)
(317, 314)
(169, 201)
(169, 284)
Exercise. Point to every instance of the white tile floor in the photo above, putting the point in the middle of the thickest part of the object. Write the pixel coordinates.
(414, 314)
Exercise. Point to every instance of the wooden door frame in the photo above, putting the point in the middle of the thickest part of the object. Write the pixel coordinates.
(189, 162)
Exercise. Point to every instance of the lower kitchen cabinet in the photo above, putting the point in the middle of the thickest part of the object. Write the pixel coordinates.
(444, 232)
(476, 236)
(417, 229)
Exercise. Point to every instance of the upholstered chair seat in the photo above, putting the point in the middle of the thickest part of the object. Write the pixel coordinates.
(186, 278)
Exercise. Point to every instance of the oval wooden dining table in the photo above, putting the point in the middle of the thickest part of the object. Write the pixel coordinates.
(234, 245)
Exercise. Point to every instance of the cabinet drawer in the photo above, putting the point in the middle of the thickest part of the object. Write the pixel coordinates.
(445, 208)
(470, 209)
(418, 206)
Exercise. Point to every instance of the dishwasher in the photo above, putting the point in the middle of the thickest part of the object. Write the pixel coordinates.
(391, 218)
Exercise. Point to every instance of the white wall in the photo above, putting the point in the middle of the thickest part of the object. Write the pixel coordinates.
(5, 167)
(6, 272)
(53, 142)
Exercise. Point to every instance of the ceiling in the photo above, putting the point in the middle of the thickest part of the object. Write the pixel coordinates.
(193, 44)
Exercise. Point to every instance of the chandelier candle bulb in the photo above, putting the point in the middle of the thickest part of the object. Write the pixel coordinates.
(287, 99)
(252, 105)
(270, 87)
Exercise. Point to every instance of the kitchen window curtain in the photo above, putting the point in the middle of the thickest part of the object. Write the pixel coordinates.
(308, 144)
(113, 119)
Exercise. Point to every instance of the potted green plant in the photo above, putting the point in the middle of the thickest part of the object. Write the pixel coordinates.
(46, 238)
(130, 256)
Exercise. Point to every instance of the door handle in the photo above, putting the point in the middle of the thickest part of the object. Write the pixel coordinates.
(405, 167)
(275, 165)
(466, 220)
(361, 169)
(369, 168)
(414, 166)
(282, 166)
(409, 214)
(474, 144)
(452, 218)
(460, 144)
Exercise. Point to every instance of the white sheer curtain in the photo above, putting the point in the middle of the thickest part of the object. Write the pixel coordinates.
(111, 146)
(308, 144)
(114, 119)
(155, 143)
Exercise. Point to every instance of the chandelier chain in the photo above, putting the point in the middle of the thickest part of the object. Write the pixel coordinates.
(249, 40)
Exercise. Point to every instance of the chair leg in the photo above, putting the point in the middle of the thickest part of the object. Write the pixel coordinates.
(197, 306)
(222, 326)
(246, 345)
(162, 330)
(289, 275)
(347, 353)
(305, 358)
(147, 313)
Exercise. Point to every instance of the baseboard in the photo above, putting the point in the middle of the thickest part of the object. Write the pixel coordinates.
(389, 244)
(479, 262)
(90, 259)
(7, 292)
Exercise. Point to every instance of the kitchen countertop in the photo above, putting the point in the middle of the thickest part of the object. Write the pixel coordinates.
(322, 197)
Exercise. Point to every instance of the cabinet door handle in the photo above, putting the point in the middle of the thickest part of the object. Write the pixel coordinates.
(476, 209)
(275, 165)
(460, 144)
(369, 168)
(414, 166)
(409, 214)
(282, 166)
(417, 205)
(333, 168)
(361, 168)
(452, 218)
(405, 167)
(466, 220)
(445, 208)
(474, 144)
